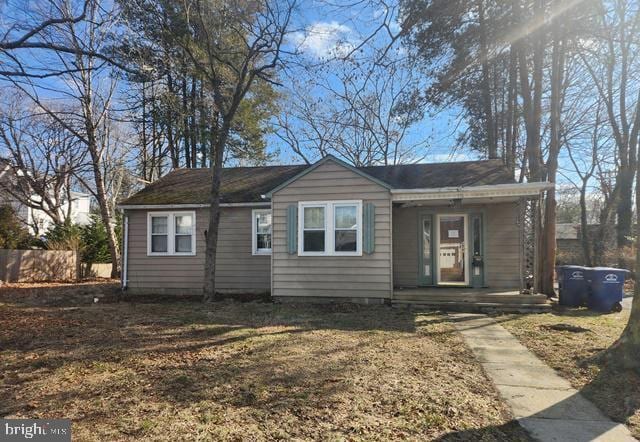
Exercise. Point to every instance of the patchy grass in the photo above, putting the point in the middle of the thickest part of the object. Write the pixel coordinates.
(239, 371)
(571, 341)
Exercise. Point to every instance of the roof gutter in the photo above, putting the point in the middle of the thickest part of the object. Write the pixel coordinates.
(188, 206)
(485, 191)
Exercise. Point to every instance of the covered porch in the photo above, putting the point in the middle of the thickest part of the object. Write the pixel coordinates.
(467, 247)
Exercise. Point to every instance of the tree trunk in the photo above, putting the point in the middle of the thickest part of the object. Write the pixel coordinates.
(549, 226)
(585, 235)
(214, 216)
(105, 213)
(512, 106)
(624, 209)
(174, 154)
(627, 349)
(186, 136)
(193, 131)
(486, 84)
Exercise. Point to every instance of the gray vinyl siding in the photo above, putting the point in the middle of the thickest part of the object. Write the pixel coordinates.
(405, 246)
(502, 254)
(366, 276)
(502, 265)
(237, 270)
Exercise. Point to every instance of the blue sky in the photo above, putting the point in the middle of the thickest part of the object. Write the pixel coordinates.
(323, 32)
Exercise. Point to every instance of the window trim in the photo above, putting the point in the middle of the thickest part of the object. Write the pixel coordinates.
(171, 236)
(254, 233)
(329, 227)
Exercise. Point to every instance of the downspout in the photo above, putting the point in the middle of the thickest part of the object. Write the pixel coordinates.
(125, 251)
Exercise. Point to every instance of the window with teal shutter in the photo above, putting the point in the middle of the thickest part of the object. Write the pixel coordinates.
(369, 231)
(292, 229)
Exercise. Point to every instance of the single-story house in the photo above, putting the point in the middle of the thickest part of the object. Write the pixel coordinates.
(330, 230)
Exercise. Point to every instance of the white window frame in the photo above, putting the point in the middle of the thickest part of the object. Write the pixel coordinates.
(254, 232)
(329, 227)
(171, 237)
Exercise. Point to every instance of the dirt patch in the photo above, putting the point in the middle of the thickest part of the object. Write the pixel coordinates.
(60, 294)
(572, 341)
(242, 371)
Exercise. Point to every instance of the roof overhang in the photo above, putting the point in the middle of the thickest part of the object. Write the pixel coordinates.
(187, 206)
(487, 192)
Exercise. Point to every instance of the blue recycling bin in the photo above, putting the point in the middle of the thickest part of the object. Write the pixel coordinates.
(606, 288)
(573, 285)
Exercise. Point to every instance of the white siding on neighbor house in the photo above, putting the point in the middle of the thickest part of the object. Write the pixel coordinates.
(366, 276)
(237, 269)
(502, 264)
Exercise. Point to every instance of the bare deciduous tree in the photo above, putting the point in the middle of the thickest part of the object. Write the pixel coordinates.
(42, 157)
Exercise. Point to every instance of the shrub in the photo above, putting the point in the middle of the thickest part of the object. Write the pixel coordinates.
(95, 242)
(13, 233)
(65, 236)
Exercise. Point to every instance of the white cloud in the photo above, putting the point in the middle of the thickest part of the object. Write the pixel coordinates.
(325, 39)
(448, 157)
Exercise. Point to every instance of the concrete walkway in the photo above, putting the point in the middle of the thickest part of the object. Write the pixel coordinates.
(543, 403)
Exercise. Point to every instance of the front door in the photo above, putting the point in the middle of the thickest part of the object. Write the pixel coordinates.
(452, 250)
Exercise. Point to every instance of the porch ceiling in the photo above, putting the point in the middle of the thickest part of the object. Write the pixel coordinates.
(456, 201)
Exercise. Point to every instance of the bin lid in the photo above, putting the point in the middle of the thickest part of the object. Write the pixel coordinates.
(571, 267)
(607, 269)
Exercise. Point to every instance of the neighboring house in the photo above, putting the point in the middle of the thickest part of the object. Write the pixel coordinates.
(330, 230)
(569, 245)
(36, 220)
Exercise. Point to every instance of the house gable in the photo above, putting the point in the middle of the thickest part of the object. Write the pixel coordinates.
(319, 164)
(365, 276)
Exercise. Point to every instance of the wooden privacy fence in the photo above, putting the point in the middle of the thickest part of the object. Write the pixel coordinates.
(38, 265)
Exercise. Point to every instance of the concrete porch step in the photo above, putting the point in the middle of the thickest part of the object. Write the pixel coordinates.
(476, 307)
(471, 298)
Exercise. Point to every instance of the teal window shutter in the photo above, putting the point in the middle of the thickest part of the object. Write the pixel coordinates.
(369, 228)
(292, 229)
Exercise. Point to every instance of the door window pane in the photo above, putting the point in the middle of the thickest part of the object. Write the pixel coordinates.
(451, 259)
(477, 228)
(426, 246)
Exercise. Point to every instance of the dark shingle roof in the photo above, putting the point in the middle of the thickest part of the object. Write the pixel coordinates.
(248, 184)
(433, 175)
(192, 186)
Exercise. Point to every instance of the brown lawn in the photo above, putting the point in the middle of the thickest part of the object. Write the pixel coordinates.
(182, 370)
(571, 341)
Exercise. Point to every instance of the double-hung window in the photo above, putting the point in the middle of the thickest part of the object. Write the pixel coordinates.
(171, 233)
(330, 228)
(261, 225)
